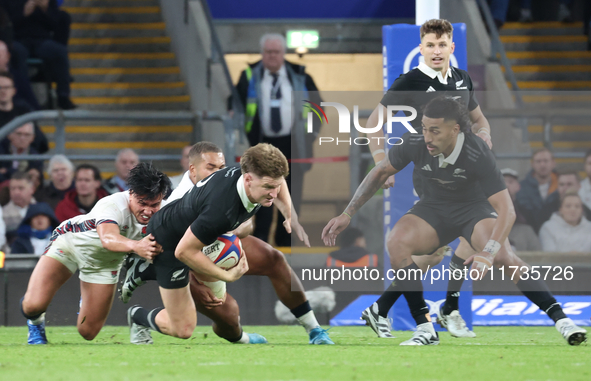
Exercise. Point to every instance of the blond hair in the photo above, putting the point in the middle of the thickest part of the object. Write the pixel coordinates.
(264, 160)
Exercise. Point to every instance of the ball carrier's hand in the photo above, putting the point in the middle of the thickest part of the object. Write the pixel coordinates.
(237, 271)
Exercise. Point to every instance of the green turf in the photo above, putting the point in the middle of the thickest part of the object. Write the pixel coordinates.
(511, 353)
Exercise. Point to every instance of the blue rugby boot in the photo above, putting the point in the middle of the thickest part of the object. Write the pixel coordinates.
(36, 332)
(319, 336)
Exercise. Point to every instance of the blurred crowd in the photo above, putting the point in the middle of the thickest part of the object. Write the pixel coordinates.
(553, 206)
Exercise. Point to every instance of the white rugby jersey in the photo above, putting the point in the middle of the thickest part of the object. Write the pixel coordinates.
(184, 186)
(80, 231)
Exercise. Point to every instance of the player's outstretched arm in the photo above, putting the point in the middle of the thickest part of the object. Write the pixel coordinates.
(480, 125)
(112, 240)
(189, 252)
(370, 185)
(501, 202)
(245, 229)
(291, 222)
(376, 140)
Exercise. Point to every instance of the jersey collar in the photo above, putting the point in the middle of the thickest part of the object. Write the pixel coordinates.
(434, 73)
(451, 159)
(249, 206)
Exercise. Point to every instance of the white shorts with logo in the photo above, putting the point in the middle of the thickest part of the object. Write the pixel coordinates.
(99, 268)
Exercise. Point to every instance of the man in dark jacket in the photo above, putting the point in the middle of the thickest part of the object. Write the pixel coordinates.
(269, 90)
(34, 232)
(538, 190)
(34, 22)
(18, 143)
(81, 200)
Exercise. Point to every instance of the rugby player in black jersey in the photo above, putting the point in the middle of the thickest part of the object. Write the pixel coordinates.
(433, 77)
(204, 159)
(464, 195)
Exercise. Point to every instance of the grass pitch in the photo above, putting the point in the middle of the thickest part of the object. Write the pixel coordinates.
(507, 353)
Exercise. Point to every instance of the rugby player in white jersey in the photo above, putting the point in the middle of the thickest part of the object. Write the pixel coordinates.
(211, 298)
(96, 244)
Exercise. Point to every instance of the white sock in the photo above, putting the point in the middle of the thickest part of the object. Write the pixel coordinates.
(308, 321)
(427, 327)
(39, 320)
(245, 339)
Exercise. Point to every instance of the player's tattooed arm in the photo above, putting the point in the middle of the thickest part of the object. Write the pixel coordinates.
(480, 125)
(370, 185)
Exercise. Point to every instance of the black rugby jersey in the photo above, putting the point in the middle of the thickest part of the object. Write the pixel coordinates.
(473, 176)
(416, 89)
(211, 208)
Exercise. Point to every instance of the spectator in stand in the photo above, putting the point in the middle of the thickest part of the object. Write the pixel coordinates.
(61, 176)
(267, 90)
(21, 197)
(522, 236)
(13, 58)
(18, 143)
(585, 191)
(568, 180)
(36, 176)
(175, 180)
(564, 12)
(536, 197)
(34, 23)
(2, 232)
(352, 251)
(568, 229)
(34, 232)
(126, 160)
(10, 108)
(88, 190)
(498, 9)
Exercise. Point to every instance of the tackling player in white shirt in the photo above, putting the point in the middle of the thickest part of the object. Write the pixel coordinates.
(96, 244)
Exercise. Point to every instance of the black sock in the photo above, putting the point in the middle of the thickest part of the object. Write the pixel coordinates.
(149, 273)
(388, 298)
(301, 310)
(538, 292)
(146, 318)
(454, 285)
(236, 339)
(29, 317)
(413, 292)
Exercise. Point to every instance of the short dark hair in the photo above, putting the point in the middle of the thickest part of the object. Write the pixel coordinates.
(95, 171)
(21, 176)
(8, 75)
(202, 147)
(147, 182)
(568, 172)
(449, 109)
(540, 150)
(348, 237)
(437, 26)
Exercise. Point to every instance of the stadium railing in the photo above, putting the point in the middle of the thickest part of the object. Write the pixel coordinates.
(59, 119)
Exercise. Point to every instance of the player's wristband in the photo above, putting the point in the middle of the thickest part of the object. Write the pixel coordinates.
(485, 130)
(492, 247)
(378, 151)
(348, 215)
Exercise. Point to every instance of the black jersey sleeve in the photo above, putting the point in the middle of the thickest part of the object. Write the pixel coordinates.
(473, 102)
(210, 225)
(402, 154)
(400, 84)
(489, 176)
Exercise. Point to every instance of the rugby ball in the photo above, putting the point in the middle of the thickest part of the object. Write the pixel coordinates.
(225, 251)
